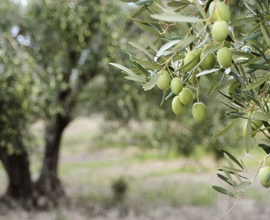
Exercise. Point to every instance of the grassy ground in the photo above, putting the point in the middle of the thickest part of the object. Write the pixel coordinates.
(160, 185)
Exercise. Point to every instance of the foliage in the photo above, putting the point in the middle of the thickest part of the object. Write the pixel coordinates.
(62, 42)
(17, 91)
(242, 66)
(60, 48)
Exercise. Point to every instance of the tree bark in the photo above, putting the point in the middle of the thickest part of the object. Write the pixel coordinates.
(20, 187)
(49, 185)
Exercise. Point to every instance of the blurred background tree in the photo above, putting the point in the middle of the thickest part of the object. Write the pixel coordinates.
(55, 65)
(71, 43)
(17, 101)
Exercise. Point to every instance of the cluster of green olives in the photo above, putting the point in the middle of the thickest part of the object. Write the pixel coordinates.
(183, 97)
(194, 57)
(220, 15)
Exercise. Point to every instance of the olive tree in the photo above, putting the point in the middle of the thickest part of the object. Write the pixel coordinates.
(16, 104)
(187, 42)
(71, 42)
(56, 49)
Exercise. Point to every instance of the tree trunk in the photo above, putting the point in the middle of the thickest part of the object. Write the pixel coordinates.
(49, 185)
(20, 187)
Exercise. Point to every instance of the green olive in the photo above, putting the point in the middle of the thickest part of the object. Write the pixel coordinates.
(220, 31)
(224, 57)
(209, 61)
(199, 112)
(176, 85)
(186, 96)
(177, 107)
(191, 60)
(264, 176)
(163, 80)
(219, 11)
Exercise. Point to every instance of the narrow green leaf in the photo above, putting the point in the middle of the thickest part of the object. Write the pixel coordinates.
(228, 175)
(265, 34)
(249, 8)
(142, 69)
(243, 54)
(139, 12)
(143, 2)
(200, 9)
(151, 84)
(170, 96)
(259, 116)
(248, 136)
(228, 160)
(230, 169)
(241, 21)
(225, 84)
(212, 48)
(151, 65)
(256, 44)
(258, 67)
(224, 178)
(205, 72)
(138, 46)
(232, 158)
(212, 85)
(165, 93)
(226, 129)
(150, 43)
(184, 43)
(174, 17)
(136, 78)
(222, 191)
(177, 4)
(257, 83)
(126, 70)
(265, 142)
(166, 46)
(253, 36)
(241, 187)
(266, 148)
(147, 27)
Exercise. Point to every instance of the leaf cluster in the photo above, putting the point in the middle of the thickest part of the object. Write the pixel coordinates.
(163, 49)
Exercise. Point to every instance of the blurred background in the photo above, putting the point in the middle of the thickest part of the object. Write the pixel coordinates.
(94, 138)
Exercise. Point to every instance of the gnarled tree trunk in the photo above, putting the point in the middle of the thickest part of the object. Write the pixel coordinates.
(20, 187)
(48, 185)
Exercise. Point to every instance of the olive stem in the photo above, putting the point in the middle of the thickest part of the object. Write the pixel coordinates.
(198, 90)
